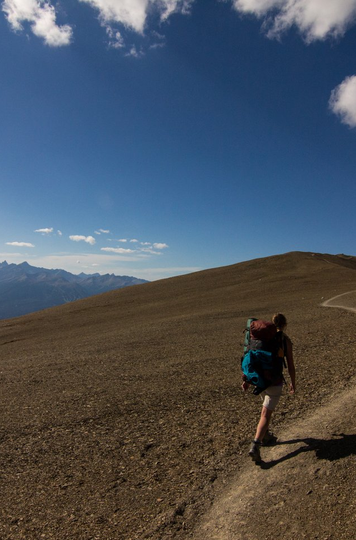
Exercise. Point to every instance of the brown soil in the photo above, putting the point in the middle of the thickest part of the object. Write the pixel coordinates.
(304, 488)
(123, 418)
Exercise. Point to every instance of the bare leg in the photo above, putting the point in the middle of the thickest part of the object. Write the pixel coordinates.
(263, 424)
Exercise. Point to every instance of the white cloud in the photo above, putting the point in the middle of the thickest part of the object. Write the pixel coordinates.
(257, 7)
(104, 231)
(120, 251)
(160, 246)
(59, 233)
(174, 6)
(116, 41)
(134, 241)
(130, 13)
(315, 19)
(123, 240)
(150, 251)
(78, 238)
(20, 244)
(45, 231)
(133, 14)
(343, 101)
(134, 52)
(41, 16)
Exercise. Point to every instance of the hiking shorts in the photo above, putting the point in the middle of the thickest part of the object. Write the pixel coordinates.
(271, 396)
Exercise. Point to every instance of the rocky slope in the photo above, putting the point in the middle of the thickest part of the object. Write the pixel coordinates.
(122, 416)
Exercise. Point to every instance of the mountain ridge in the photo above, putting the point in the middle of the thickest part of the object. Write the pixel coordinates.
(25, 288)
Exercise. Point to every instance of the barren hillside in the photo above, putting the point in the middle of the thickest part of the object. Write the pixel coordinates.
(122, 415)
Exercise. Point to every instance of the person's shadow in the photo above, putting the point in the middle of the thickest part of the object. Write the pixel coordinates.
(338, 447)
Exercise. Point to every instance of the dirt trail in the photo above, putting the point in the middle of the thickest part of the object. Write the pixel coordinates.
(344, 301)
(304, 488)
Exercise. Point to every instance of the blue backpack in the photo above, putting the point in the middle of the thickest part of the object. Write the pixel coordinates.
(263, 358)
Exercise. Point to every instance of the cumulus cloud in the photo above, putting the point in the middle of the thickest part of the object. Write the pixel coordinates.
(59, 233)
(343, 101)
(78, 238)
(315, 19)
(158, 245)
(257, 7)
(47, 230)
(41, 16)
(120, 251)
(20, 244)
(129, 14)
(133, 13)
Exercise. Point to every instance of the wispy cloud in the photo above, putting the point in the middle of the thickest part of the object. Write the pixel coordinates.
(20, 244)
(48, 230)
(150, 251)
(102, 231)
(142, 249)
(120, 251)
(116, 41)
(134, 52)
(78, 238)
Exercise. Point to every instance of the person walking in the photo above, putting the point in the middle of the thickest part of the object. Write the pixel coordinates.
(273, 393)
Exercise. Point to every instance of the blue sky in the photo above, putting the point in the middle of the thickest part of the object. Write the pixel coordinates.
(158, 137)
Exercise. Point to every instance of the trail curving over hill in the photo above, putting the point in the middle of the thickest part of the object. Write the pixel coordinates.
(305, 486)
(343, 301)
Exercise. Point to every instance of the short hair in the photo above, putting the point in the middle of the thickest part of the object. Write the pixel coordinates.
(279, 320)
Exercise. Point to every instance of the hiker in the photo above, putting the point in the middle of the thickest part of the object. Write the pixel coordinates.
(272, 394)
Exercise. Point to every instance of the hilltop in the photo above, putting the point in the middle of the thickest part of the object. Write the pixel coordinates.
(122, 415)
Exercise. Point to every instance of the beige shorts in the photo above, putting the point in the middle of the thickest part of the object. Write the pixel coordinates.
(271, 396)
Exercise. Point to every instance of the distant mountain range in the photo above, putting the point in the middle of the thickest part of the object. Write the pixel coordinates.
(25, 288)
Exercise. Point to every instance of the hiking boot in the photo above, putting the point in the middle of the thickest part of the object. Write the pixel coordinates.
(254, 452)
(269, 439)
